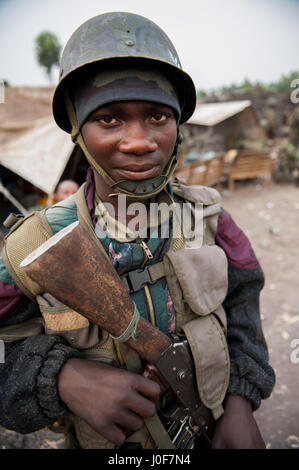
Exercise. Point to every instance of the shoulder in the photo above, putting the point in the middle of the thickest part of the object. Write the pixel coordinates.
(61, 214)
(196, 193)
(235, 243)
(48, 221)
(26, 235)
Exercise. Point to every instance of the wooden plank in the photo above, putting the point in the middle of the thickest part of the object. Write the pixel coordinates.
(205, 173)
(250, 165)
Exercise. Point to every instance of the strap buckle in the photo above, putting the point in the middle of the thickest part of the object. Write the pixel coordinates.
(138, 279)
(12, 219)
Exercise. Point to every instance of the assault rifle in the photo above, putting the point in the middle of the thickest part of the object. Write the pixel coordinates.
(69, 262)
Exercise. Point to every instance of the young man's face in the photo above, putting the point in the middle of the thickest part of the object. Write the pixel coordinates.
(131, 140)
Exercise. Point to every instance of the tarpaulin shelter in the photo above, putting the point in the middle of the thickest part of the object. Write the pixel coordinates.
(39, 155)
(31, 144)
(215, 127)
(211, 114)
(213, 130)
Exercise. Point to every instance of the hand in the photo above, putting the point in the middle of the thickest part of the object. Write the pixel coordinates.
(107, 398)
(237, 428)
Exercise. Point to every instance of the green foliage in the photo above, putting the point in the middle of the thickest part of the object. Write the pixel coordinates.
(288, 157)
(282, 85)
(285, 82)
(47, 51)
(201, 94)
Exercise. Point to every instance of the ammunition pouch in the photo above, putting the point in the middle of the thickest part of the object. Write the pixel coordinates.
(197, 281)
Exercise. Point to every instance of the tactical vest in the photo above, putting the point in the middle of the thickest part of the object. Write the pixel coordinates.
(197, 282)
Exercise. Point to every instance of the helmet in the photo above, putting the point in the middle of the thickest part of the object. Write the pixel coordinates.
(128, 40)
(118, 36)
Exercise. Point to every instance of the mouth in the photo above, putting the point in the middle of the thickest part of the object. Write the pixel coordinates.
(139, 171)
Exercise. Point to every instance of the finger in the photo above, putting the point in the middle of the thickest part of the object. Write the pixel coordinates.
(130, 420)
(152, 373)
(148, 387)
(140, 405)
(113, 433)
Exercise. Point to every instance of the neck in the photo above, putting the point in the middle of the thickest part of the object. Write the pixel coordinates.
(104, 191)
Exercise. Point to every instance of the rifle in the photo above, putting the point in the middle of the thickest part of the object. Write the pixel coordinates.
(68, 262)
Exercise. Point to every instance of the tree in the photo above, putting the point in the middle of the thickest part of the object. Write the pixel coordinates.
(47, 51)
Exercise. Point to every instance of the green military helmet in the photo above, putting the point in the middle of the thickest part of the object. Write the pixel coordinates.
(118, 36)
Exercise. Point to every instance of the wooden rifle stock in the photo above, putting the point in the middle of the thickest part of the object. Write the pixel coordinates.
(74, 270)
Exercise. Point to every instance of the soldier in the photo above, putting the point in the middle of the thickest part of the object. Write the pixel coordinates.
(122, 95)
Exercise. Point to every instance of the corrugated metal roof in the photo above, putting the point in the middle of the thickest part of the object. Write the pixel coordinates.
(39, 155)
(210, 114)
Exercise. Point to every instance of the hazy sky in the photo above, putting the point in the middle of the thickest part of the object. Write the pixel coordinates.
(219, 41)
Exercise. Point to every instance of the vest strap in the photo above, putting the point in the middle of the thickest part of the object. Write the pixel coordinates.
(158, 433)
(84, 218)
(153, 424)
(12, 219)
(137, 279)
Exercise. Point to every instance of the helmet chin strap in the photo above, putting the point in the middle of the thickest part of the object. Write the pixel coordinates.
(135, 189)
(150, 187)
(143, 189)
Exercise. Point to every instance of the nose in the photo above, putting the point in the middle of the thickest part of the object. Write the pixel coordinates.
(137, 140)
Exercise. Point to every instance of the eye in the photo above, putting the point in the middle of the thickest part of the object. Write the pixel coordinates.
(107, 120)
(159, 117)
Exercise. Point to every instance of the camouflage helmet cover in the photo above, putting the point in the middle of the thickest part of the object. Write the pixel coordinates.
(121, 36)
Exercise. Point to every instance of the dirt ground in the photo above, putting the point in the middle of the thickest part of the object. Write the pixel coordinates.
(269, 215)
